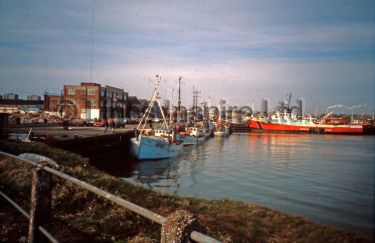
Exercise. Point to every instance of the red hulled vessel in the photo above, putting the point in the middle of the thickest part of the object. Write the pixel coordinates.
(288, 122)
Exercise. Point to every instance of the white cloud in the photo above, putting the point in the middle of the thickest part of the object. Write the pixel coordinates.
(234, 50)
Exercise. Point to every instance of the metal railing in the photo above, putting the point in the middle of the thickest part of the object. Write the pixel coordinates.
(23, 212)
(194, 235)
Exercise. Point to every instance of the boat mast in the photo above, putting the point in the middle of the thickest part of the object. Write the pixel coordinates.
(219, 118)
(209, 107)
(155, 98)
(193, 108)
(179, 100)
(147, 112)
(158, 79)
(195, 104)
(171, 109)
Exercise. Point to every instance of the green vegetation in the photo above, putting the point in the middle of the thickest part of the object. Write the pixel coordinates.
(79, 215)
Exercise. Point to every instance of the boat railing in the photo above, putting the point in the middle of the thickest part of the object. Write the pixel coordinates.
(43, 180)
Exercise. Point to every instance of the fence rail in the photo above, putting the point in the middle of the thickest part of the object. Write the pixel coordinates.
(194, 235)
(23, 212)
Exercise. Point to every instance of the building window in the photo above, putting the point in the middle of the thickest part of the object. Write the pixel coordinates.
(82, 94)
(91, 103)
(91, 91)
(71, 92)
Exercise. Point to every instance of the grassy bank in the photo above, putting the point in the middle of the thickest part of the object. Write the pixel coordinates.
(79, 215)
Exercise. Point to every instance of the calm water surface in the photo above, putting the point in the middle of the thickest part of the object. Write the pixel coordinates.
(326, 178)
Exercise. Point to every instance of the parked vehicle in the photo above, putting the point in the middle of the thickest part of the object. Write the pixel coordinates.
(90, 122)
(111, 122)
(77, 122)
(132, 121)
(119, 122)
(100, 123)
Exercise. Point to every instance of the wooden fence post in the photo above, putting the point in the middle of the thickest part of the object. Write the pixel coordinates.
(178, 226)
(40, 205)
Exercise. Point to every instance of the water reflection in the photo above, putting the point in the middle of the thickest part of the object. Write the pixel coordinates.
(327, 178)
(162, 174)
(117, 163)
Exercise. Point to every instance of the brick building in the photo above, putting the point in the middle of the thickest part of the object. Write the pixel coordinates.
(53, 103)
(113, 102)
(93, 101)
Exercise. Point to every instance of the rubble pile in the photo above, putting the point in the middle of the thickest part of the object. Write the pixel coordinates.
(34, 117)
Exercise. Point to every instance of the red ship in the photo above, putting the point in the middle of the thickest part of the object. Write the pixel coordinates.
(288, 122)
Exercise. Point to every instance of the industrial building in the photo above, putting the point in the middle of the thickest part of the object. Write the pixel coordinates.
(10, 96)
(93, 101)
(264, 106)
(34, 97)
(301, 106)
(89, 101)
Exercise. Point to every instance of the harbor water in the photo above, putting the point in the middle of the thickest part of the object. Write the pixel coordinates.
(326, 178)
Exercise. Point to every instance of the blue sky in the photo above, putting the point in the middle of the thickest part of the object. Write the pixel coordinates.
(237, 50)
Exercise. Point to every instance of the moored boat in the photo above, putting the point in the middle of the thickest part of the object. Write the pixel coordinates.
(287, 122)
(189, 140)
(154, 144)
(153, 147)
(221, 130)
(193, 136)
(208, 129)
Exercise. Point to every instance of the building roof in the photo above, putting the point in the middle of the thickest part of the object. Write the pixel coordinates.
(143, 101)
(89, 84)
(132, 98)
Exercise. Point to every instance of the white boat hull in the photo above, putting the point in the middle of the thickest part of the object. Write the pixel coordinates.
(210, 132)
(151, 147)
(190, 140)
(221, 133)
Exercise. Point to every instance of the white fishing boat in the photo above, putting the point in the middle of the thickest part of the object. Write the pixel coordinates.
(222, 131)
(194, 136)
(195, 131)
(188, 140)
(154, 144)
(208, 129)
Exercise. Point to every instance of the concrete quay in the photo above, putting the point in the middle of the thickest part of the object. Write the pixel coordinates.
(59, 133)
(87, 141)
